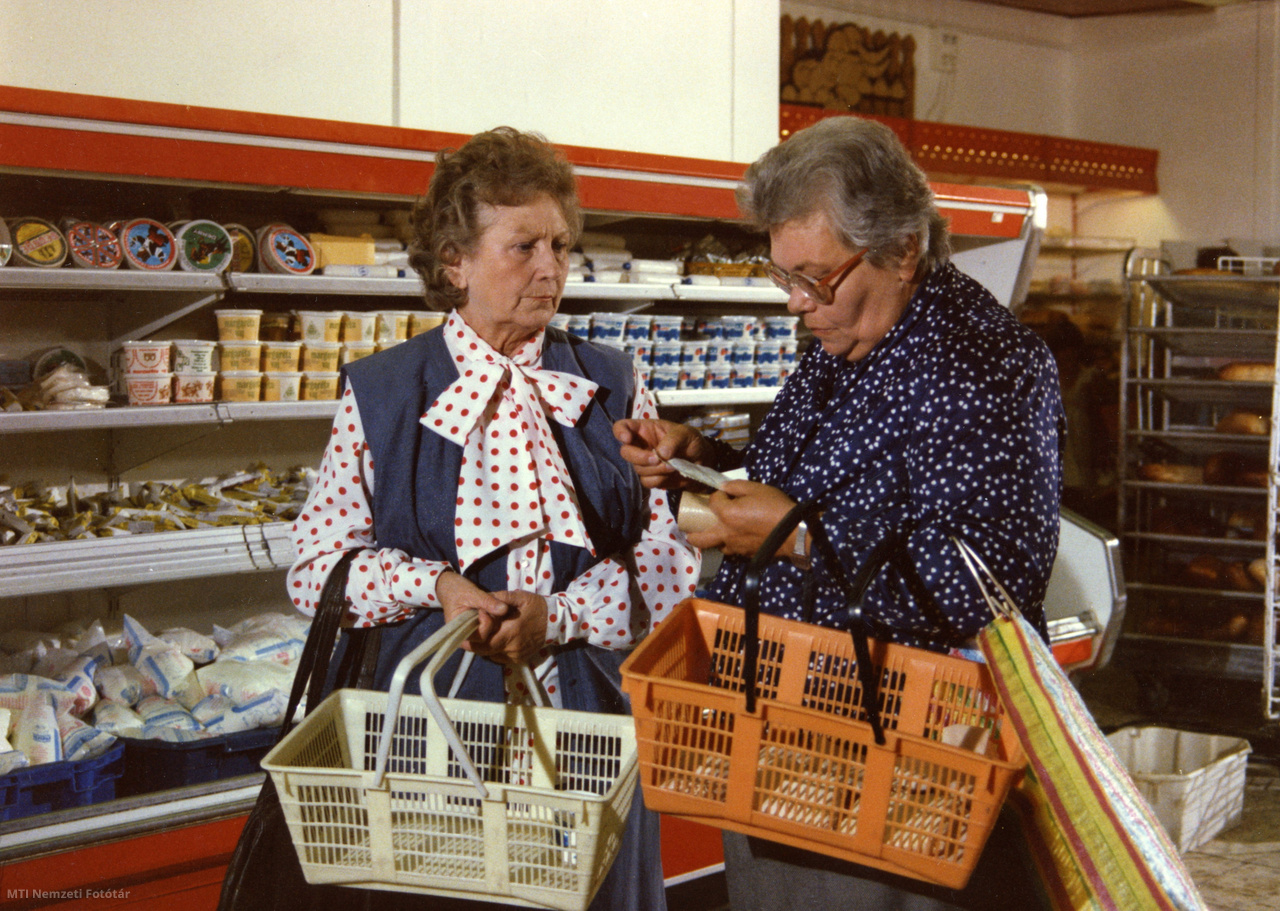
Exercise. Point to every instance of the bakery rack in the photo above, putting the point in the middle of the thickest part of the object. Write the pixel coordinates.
(1194, 518)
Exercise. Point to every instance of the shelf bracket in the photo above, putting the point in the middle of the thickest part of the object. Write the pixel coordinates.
(155, 325)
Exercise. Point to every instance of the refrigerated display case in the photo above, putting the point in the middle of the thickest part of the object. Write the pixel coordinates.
(1198, 459)
(98, 157)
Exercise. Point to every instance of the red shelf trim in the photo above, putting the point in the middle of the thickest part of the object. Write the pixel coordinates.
(945, 150)
(152, 140)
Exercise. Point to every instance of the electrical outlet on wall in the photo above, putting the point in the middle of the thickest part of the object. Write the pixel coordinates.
(946, 51)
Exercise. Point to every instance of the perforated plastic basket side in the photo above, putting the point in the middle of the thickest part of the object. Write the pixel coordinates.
(804, 768)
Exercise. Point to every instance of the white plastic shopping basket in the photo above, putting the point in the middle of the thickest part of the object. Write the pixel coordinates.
(521, 804)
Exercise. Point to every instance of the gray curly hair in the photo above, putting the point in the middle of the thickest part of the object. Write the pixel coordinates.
(859, 173)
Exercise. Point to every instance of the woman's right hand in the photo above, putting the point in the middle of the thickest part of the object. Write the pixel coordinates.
(457, 594)
(648, 443)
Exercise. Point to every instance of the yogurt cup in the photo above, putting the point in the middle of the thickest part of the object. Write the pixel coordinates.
(667, 354)
(692, 376)
(193, 355)
(579, 326)
(281, 387)
(639, 327)
(667, 328)
(719, 351)
(149, 388)
(320, 357)
(281, 357)
(238, 325)
(744, 352)
(787, 352)
(319, 325)
(393, 326)
(780, 327)
(191, 388)
(560, 321)
(386, 346)
(359, 327)
(240, 386)
(768, 374)
(744, 376)
(719, 376)
(355, 352)
(145, 357)
(693, 352)
(641, 352)
(239, 357)
(421, 321)
(664, 378)
(737, 328)
(769, 352)
(608, 327)
(319, 385)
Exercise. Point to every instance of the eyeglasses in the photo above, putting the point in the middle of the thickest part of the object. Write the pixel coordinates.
(820, 291)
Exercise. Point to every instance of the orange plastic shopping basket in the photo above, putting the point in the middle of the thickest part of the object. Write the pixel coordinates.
(897, 758)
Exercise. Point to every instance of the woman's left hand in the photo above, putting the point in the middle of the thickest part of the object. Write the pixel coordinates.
(747, 511)
(520, 633)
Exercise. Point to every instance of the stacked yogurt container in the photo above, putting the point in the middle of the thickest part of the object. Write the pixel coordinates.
(144, 372)
(676, 352)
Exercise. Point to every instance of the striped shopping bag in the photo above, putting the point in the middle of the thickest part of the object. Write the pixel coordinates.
(1096, 841)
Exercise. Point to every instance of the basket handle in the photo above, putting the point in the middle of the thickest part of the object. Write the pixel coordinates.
(855, 591)
(437, 649)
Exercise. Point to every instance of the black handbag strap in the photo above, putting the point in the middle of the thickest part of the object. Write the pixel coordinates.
(317, 652)
(855, 591)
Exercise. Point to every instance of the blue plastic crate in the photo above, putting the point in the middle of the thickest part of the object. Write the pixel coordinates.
(61, 785)
(157, 765)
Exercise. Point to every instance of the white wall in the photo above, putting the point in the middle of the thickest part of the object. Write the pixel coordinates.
(1205, 91)
(279, 57)
(1202, 88)
(660, 76)
(663, 76)
(1011, 66)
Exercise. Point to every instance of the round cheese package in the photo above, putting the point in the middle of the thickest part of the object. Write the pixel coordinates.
(148, 245)
(92, 246)
(244, 250)
(284, 251)
(203, 246)
(37, 243)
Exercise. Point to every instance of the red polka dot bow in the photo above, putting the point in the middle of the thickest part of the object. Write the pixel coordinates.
(514, 485)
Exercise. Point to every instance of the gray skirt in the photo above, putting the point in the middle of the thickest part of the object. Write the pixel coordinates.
(767, 876)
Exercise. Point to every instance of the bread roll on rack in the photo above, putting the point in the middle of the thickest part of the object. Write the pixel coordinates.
(1248, 372)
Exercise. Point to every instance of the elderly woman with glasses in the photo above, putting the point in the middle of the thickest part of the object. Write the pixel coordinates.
(921, 410)
(474, 467)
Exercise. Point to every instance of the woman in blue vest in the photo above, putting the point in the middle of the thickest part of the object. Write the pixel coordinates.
(921, 410)
(474, 467)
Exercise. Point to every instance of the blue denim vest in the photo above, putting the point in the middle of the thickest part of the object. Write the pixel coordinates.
(415, 491)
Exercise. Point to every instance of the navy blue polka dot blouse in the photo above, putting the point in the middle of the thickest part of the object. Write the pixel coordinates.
(951, 426)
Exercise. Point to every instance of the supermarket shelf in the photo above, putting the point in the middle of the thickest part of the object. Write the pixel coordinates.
(688, 397)
(108, 280)
(731, 294)
(1207, 292)
(56, 566)
(1237, 344)
(25, 838)
(1085, 246)
(1212, 595)
(1209, 392)
(323, 284)
(1240, 548)
(1199, 444)
(164, 415)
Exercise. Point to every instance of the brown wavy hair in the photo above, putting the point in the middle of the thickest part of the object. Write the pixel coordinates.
(501, 167)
